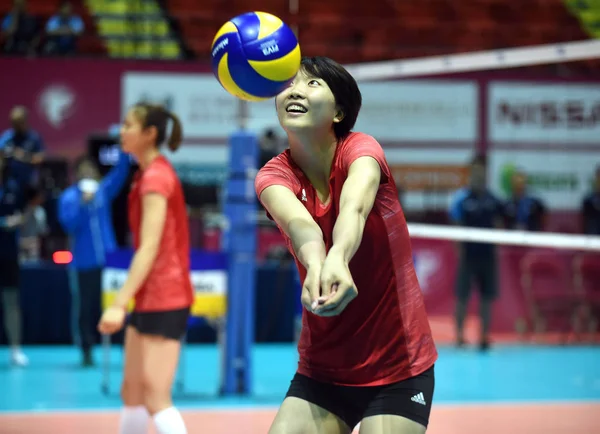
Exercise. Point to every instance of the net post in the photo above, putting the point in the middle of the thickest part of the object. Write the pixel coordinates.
(239, 241)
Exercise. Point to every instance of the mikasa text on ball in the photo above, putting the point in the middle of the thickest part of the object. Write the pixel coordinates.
(255, 56)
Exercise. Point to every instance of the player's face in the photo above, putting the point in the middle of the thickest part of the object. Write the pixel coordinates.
(88, 170)
(131, 131)
(134, 137)
(519, 182)
(478, 176)
(307, 103)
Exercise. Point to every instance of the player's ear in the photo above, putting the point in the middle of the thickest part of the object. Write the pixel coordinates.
(339, 116)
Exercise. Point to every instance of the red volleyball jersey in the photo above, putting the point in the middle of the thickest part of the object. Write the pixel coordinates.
(383, 335)
(168, 286)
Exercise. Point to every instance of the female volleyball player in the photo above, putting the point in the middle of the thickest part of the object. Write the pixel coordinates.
(366, 350)
(158, 278)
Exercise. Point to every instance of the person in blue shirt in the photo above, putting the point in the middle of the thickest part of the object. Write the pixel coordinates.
(12, 204)
(23, 146)
(63, 30)
(590, 208)
(19, 30)
(475, 206)
(85, 212)
(523, 211)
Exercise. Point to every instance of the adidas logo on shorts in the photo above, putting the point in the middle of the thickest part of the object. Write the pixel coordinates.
(419, 398)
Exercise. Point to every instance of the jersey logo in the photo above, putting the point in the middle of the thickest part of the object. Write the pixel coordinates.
(304, 196)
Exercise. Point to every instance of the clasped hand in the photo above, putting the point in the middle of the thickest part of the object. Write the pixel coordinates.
(328, 287)
(113, 319)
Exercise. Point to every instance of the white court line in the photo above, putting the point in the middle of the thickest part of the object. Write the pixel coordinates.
(220, 408)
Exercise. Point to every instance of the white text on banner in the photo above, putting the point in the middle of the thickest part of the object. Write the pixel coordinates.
(205, 108)
(420, 110)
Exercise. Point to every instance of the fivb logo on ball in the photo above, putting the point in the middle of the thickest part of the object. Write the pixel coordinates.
(270, 47)
(255, 56)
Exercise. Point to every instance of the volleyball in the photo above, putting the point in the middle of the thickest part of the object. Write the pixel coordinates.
(255, 56)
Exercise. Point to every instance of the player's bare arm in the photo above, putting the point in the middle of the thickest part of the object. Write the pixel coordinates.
(306, 236)
(356, 201)
(153, 221)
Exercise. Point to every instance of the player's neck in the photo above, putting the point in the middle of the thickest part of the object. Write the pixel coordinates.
(147, 157)
(313, 155)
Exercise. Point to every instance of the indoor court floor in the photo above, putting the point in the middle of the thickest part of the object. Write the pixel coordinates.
(512, 389)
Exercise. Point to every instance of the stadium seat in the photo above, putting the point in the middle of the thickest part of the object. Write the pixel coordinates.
(548, 292)
(135, 29)
(394, 26)
(586, 281)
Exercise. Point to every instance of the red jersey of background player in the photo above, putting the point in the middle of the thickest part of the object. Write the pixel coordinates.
(383, 335)
(168, 286)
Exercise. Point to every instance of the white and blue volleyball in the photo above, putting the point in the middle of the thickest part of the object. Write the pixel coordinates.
(255, 56)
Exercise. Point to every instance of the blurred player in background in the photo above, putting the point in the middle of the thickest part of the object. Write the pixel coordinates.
(158, 279)
(333, 197)
(523, 211)
(35, 226)
(12, 204)
(24, 146)
(475, 206)
(85, 212)
(590, 207)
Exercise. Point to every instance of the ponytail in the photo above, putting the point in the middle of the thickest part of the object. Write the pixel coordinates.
(157, 116)
(176, 132)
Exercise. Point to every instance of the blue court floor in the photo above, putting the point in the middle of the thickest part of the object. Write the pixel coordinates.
(507, 374)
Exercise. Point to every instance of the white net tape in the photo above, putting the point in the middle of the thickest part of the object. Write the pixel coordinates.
(505, 237)
(477, 61)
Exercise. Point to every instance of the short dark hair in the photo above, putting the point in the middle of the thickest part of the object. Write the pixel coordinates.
(343, 86)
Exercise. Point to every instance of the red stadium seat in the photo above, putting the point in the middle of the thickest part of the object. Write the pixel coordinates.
(548, 291)
(586, 281)
(393, 28)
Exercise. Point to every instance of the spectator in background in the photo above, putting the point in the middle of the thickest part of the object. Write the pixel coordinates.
(523, 211)
(590, 208)
(35, 225)
(24, 146)
(19, 30)
(84, 210)
(63, 30)
(475, 206)
(11, 207)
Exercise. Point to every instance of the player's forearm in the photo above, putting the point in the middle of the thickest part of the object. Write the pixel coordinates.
(348, 232)
(138, 272)
(307, 242)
